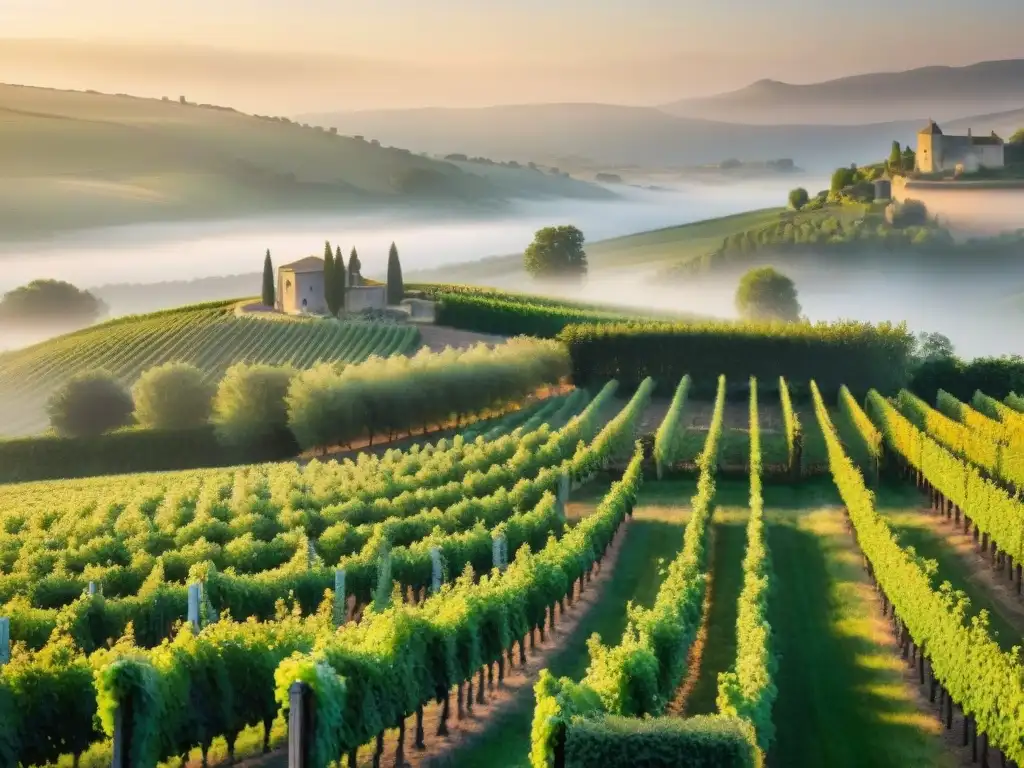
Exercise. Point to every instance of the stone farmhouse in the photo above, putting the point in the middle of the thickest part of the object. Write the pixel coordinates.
(300, 290)
(938, 152)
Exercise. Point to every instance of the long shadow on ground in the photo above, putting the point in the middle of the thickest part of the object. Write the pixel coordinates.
(654, 535)
(842, 700)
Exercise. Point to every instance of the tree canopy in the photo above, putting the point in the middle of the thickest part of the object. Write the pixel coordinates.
(330, 297)
(895, 156)
(766, 294)
(932, 346)
(798, 198)
(49, 301)
(909, 159)
(355, 268)
(172, 396)
(1017, 137)
(340, 278)
(90, 404)
(556, 252)
(842, 178)
(396, 286)
(249, 404)
(268, 281)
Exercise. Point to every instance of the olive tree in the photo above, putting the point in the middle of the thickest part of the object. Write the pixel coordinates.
(90, 404)
(172, 396)
(250, 403)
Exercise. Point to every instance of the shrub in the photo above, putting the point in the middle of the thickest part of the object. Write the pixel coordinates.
(909, 213)
(249, 406)
(90, 404)
(172, 396)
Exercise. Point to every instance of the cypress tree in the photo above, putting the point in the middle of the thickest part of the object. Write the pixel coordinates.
(340, 279)
(354, 268)
(895, 157)
(268, 281)
(396, 288)
(329, 279)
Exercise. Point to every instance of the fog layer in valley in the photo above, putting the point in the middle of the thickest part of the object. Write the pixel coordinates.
(971, 211)
(971, 304)
(185, 251)
(974, 309)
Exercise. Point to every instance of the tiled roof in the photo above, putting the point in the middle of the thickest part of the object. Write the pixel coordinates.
(308, 264)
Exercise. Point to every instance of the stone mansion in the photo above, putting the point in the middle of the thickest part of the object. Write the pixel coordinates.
(938, 152)
(300, 290)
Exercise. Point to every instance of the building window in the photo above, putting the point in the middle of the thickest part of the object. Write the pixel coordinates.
(303, 302)
(288, 284)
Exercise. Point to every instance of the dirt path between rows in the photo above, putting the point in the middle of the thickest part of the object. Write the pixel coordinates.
(518, 683)
(677, 707)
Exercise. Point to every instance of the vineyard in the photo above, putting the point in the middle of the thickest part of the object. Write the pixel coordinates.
(366, 609)
(486, 310)
(210, 337)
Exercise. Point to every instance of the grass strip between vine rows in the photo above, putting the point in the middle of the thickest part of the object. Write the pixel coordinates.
(575, 724)
(986, 682)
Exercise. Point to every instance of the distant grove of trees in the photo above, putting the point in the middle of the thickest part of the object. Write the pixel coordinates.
(459, 157)
(50, 302)
(782, 164)
(904, 227)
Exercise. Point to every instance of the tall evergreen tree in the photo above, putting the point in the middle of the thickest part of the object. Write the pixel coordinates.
(909, 159)
(268, 281)
(329, 279)
(895, 157)
(340, 278)
(396, 287)
(354, 268)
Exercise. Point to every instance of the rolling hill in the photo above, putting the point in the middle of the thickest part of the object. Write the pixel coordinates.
(209, 336)
(939, 92)
(72, 159)
(643, 249)
(616, 135)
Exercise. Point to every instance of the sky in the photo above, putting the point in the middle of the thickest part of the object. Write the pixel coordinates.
(340, 54)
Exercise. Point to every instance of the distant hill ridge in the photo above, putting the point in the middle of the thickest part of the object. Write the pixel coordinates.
(76, 159)
(941, 92)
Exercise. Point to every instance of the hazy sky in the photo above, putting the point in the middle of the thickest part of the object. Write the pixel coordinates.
(378, 53)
